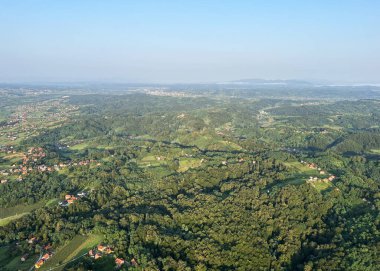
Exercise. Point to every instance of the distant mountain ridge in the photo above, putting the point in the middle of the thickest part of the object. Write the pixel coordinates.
(266, 82)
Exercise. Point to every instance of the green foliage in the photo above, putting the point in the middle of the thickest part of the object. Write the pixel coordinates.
(192, 183)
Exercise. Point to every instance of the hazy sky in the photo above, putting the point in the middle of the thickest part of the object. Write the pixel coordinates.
(189, 41)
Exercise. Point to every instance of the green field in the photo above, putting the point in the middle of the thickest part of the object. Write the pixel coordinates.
(10, 263)
(79, 147)
(295, 179)
(320, 186)
(78, 246)
(151, 160)
(89, 145)
(187, 163)
(301, 168)
(303, 173)
(5, 221)
(12, 213)
(13, 158)
(52, 202)
(17, 264)
(206, 141)
(20, 209)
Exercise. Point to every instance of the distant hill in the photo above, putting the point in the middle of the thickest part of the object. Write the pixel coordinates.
(266, 82)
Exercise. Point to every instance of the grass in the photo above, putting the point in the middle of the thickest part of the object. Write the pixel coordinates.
(302, 168)
(8, 262)
(229, 145)
(52, 202)
(88, 145)
(206, 141)
(9, 214)
(303, 173)
(375, 151)
(18, 155)
(332, 127)
(295, 179)
(78, 246)
(320, 186)
(10, 159)
(17, 264)
(5, 221)
(187, 163)
(80, 146)
(107, 147)
(20, 209)
(151, 160)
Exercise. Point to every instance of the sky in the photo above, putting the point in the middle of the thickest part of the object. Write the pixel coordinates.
(178, 41)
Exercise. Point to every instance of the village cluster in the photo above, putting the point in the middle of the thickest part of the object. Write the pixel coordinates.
(97, 252)
(23, 121)
(46, 252)
(103, 250)
(313, 179)
(30, 163)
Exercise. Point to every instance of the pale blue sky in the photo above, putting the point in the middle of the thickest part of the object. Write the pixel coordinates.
(189, 41)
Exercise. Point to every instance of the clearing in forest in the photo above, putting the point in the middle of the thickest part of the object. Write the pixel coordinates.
(11, 213)
(77, 247)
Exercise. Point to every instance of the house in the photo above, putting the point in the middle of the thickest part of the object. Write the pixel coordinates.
(97, 256)
(119, 262)
(81, 194)
(70, 199)
(322, 172)
(331, 178)
(39, 264)
(101, 248)
(91, 253)
(42, 168)
(32, 240)
(46, 256)
(24, 257)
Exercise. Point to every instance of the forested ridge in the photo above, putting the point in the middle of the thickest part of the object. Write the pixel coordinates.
(198, 183)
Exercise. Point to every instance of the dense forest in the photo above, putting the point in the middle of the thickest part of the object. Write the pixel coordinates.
(190, 182)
